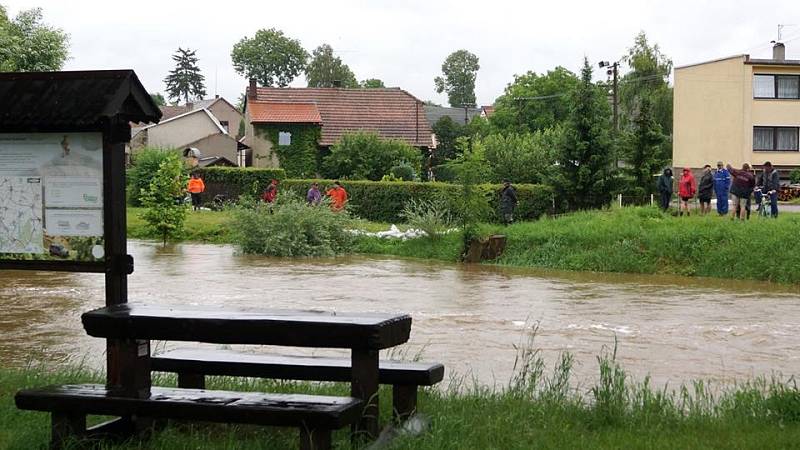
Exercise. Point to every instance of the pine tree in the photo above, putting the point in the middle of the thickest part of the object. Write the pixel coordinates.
(643, 148)
(185, 80)
(586, 155)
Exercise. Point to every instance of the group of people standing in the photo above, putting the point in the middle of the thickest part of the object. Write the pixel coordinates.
(336, 193)
(724, 182)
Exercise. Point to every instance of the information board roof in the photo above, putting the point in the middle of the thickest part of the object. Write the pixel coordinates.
(79, 99)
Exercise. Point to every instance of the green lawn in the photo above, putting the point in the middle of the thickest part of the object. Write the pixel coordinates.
(629, 240)
(534, 414)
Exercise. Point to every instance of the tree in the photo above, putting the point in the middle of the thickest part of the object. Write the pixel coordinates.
(648, 77)
(364, 155)
(534, 102)
(29, 45)
(372, 83)
(585, 157)
(522, 158)
(459, 71)
(269, 57)
(158, 99)
(643, 153)
(447, 132)
(327, 70)
(185, 80)
(166, 212)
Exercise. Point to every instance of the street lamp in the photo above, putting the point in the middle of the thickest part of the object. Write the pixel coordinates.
(613, 70)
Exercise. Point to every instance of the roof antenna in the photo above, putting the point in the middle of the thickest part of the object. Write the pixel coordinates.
(781, 26)
(216, 78)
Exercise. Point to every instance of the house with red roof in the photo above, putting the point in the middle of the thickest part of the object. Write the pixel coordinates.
(308, 121)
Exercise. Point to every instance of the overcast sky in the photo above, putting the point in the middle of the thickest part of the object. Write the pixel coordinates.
(404, 42)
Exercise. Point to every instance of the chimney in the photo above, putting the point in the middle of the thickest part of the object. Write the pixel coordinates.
(251, 91)
(779, 52)
(216, 96)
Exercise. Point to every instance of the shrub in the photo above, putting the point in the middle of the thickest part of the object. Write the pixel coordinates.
(365, 156)
(291, 228)
(233, 182)
(163, 199)
(794, 176)
(403, 172)
(521, 158)
(431, 216)
(145, 164)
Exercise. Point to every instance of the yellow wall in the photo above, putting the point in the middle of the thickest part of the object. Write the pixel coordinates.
(708, 116)
(263, 156)
(715, 112)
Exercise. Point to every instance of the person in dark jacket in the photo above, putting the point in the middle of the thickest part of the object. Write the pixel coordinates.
(770, 182)
(741, 189)
(722, 187)
(508, 202)
(705, 190)
(664, 186)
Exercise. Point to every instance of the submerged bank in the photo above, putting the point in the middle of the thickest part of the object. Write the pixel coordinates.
(630, 240)
(539, 408)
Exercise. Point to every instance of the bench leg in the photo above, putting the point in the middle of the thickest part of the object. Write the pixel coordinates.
(404, 401)
(191, 380)
(65, 426)
(365, 387)
(315, 439)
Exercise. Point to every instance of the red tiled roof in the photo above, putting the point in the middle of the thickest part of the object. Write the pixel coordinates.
(170, 111)
(284, 113)
(390, 112)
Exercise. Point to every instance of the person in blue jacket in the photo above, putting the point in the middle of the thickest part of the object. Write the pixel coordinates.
(722, 187)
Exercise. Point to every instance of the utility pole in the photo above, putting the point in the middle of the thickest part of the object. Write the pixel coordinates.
(466, 107)
(613, 71)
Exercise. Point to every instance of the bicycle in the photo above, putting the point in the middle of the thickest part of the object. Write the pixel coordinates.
(764, 201)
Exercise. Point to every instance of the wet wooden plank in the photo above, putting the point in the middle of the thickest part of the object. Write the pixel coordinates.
(249, 326)
(195, 404)
(307, 368)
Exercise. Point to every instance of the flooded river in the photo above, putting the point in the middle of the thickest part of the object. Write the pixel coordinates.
(468, 317)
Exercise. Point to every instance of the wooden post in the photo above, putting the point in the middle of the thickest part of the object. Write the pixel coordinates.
(315, 439)
(404, 401)
(191, 380)
(128, 360)
(365, 387)
(65, 426)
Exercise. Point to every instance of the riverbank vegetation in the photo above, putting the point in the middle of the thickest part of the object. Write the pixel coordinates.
(628, 240)
(540, 407)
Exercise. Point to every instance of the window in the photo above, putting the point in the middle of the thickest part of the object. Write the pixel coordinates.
(284, 138)
(776, 139)
(224, 124)
(776, 86)
(764, 86)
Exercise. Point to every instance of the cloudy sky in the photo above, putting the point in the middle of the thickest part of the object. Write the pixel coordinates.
(404, 42)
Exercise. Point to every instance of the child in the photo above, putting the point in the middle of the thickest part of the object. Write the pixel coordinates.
(195, 188)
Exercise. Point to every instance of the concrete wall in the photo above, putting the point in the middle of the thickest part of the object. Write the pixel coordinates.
(709, 109)
(179, 132)
(217, 145)
(225, 112)
(715, 112)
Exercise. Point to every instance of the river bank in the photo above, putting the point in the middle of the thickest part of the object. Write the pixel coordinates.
(541, 410)
(629, 240)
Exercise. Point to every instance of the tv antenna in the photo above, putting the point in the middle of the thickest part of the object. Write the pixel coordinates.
(781, 26)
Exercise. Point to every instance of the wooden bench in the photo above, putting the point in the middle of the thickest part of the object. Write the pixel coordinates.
(315, 416)
(193, 365)
(131, 326)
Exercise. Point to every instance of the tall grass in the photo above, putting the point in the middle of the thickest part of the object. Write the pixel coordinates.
(540, 407)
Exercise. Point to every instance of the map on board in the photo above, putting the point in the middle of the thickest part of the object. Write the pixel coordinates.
(51, 196)
(21, 226)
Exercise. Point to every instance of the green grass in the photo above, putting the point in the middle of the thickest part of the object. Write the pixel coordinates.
(539, 408)
(629, 240)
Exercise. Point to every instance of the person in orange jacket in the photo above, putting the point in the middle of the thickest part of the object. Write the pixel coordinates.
(687, 187)
(195, 188)
(338, 196)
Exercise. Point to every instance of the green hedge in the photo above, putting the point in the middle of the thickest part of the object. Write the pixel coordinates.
(379, 201)
(382, 201)
(232, 182)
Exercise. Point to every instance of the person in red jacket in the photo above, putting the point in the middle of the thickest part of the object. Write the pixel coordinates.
(687, 187)
(270, 192)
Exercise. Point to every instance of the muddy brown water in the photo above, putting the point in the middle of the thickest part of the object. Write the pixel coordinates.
(468, 317)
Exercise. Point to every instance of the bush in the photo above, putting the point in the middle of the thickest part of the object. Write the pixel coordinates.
(365, 156)
(163, 199)
(431, 216)
(521, 158)
(384, 201)
(291, 228)
(233, 182)
(403, 172)
(794, 176)
(145, 164)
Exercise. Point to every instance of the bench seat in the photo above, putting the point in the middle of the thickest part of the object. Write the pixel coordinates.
(315, 416)
(193, 365)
